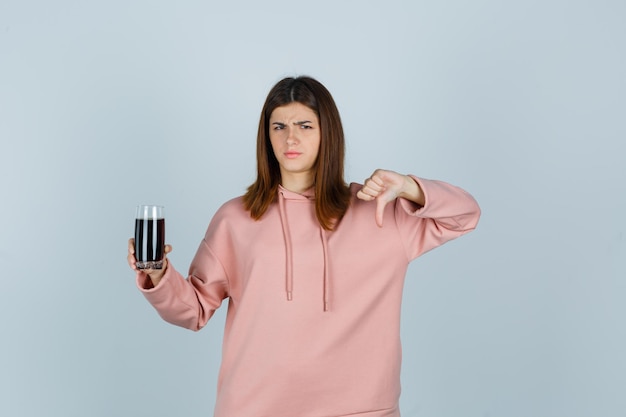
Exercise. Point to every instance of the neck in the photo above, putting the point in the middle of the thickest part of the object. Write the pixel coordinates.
(297, 183)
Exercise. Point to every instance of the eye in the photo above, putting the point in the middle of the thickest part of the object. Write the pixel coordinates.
(306, 127)
(278, 126)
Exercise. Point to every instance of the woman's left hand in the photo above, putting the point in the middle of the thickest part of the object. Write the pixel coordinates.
(385, 186)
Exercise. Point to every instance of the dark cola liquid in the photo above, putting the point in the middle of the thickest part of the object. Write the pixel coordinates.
(149, 242)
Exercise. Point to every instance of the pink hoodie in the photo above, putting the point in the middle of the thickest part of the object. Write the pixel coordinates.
(313, 323)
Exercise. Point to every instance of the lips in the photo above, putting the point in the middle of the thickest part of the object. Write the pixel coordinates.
(292, 154)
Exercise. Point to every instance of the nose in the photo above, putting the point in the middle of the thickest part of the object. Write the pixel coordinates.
(292, 138)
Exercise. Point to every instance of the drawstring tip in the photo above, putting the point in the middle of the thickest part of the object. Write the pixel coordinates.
(289, 296)
(325, 305)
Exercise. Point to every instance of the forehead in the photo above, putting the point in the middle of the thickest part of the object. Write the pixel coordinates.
(293, 112)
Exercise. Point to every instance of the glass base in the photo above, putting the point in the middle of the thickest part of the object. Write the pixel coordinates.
(150, 265)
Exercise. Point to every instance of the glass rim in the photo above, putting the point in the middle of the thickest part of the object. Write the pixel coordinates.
(149, 211)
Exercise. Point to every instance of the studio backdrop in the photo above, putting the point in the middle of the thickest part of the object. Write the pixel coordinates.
(107, 105)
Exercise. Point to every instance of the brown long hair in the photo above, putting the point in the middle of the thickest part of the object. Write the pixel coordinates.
(332, 195)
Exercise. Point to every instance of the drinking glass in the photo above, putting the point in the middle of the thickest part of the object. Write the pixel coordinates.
(149, 237)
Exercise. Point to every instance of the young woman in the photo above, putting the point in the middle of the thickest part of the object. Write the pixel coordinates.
(313, 269)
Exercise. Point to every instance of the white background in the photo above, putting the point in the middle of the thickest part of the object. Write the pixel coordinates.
(106, 105)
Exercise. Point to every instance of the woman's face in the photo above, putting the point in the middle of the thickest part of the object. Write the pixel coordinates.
(295, 137)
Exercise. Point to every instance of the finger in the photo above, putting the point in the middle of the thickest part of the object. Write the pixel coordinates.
(363, 196)
(132, 262)
(372, 190)
(375, 183)
(168, 249)
(378, 178)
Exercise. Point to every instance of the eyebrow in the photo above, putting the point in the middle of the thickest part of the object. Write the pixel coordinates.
(295, 123)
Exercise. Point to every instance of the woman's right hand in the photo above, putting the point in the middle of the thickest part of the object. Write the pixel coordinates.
(154, 274)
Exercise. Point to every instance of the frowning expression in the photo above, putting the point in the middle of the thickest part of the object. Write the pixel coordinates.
(295, 137)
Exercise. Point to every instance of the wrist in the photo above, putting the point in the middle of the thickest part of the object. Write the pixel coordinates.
(412, 191)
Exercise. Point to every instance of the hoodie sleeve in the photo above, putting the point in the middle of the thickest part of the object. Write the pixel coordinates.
(191, 302)
(448, 213)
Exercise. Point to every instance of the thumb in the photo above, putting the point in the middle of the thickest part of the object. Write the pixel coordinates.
(381, 203)
(380, 209)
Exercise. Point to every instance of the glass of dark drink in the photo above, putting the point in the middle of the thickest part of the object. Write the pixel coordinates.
(149, 237)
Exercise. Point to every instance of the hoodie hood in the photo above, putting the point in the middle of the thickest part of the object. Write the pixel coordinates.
(284, 196)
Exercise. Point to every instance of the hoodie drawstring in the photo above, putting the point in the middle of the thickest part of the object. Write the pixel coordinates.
(287, 237)
(289, 254)
(326, 274)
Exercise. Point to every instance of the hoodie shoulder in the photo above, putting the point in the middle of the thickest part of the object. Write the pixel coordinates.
(355, 187)
(232, 208)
